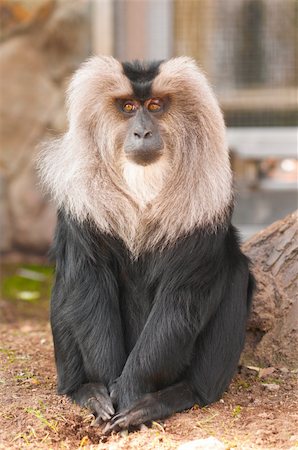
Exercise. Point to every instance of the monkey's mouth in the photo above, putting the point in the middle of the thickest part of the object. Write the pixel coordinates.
(144, 157)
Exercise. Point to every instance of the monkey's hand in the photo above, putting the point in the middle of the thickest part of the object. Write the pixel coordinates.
(154, 406)
(142, 411)
(95, 397)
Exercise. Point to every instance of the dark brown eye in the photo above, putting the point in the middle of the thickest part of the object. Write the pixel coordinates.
(129, 106)
(154, 105)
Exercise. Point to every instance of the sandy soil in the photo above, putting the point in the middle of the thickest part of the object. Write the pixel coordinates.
(258, 412)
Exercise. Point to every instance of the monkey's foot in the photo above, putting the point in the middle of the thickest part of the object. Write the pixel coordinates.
(95, 397)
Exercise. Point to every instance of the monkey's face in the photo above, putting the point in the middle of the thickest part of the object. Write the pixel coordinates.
(143, 143)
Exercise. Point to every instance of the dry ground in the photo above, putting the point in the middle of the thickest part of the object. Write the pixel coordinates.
(258, 412)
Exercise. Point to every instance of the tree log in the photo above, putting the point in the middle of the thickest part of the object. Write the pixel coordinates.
(273, 325)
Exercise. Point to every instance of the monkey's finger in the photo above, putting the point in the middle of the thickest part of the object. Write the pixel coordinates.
(109, 428)
(106, 403)
(96, 422)
(99, 420)
(113, 395)
(99, 409)
(119, 422)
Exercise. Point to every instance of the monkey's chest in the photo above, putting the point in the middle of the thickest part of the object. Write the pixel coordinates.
(136, 297)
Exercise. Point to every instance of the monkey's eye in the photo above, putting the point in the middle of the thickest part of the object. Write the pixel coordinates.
(154, 105)
(129, 106)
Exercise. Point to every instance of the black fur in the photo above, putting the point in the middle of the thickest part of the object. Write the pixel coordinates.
(141, 76)
(154, 335)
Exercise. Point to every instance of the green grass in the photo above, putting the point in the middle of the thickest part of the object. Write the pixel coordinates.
(26, 282)
(236, 411)
(51, 424)
(26, 289)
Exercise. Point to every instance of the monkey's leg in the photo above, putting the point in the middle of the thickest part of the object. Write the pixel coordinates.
(85, 317)
(88, 342)
(72, 378)
(218, 347)
(156, 405)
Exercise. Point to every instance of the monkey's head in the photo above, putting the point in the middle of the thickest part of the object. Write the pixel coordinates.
(145, 149)
(142, 111)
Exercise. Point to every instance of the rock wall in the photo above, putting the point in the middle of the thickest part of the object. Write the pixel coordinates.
(42, 43)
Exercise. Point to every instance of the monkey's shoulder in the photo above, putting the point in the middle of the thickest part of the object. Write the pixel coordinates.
(75, 241)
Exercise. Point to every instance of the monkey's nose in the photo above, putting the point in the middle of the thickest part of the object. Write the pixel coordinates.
(142, 134)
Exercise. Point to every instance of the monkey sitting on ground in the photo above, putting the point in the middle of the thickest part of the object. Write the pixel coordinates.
(152, 292)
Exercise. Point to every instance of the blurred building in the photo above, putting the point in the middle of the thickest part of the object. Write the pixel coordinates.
(247, 48)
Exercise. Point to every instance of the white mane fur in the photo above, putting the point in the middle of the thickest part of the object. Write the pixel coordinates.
(147, 207)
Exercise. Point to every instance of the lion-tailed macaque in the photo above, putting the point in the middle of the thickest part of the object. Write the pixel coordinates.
(152, 292)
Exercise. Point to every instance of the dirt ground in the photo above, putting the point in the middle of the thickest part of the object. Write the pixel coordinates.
(260, 410)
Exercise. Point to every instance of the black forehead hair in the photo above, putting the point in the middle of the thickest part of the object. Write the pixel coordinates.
(141, 74)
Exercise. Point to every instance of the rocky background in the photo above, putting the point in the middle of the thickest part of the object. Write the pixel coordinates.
(41, 44)
(272, 332)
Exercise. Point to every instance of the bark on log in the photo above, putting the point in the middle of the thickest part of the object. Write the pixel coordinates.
(273, 325)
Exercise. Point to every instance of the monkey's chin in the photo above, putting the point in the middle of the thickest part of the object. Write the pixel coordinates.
(144, 158)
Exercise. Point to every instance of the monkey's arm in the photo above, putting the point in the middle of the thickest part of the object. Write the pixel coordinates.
(85, 319)
(214, 361)
(164, 349)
